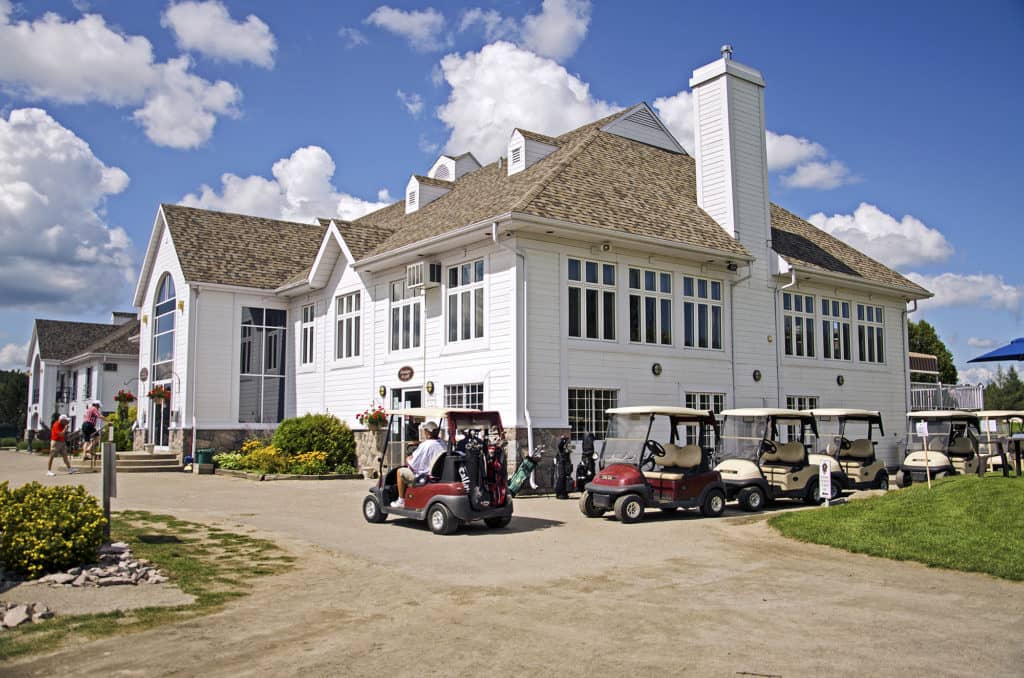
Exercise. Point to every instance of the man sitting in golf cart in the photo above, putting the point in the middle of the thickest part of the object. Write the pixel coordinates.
(420, 461)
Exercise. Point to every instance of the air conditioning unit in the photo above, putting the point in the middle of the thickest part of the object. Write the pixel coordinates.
(423, 274)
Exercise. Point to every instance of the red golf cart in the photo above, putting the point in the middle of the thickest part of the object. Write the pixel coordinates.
(467, 482)
(655, 457)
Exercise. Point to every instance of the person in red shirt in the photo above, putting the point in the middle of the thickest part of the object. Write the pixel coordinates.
(58, 444)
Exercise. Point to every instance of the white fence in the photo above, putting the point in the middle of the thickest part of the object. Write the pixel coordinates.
(946, 397)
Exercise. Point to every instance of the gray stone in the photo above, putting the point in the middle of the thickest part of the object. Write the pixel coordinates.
(75, 571)
(157, 579)
(80, 580)
(114, 581)
(62, 578)
(16, 615)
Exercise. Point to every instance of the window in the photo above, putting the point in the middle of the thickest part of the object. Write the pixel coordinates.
(466, 301)
(262, 368)
(870, 332)
(650, 306)
(835, 329)
(591, 300)
(587, 411)
(346, 341)
(703, 401)
(702, 313)
(162, 357)
(307, 335)
(798, 324)
(87, 389)
(801, 402)
(110, 367)
(469, 396)
(405, 317)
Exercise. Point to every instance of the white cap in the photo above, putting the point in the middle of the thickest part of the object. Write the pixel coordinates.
(63, 417)
(428, 426)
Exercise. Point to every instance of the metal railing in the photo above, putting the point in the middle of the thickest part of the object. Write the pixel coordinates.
(924, 396)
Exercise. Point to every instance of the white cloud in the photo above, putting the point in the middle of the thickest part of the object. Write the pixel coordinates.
(12, 356)
(427, 146)
(85, 61)
(301, 190)
(384, 195)
(413, 102)
(893, 242)
(977, 342)
(495, 26)
(424, 29)
(183, 109)
(676, 112)
(58, 254)
(820, 175)
(975, 375)
(559, 28)
(207, 28)
(502, 87)
(351, 37)
(954, 289)
(785, 150)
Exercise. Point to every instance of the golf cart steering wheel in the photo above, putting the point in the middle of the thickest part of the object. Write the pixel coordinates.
(768, 447)
(655, 448)
(844, 443)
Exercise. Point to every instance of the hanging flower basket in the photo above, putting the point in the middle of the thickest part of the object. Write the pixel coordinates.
(159, 394)
(124, 397)
(373, 418)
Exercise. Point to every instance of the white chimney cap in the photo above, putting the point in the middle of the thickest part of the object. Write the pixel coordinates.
(727, 52)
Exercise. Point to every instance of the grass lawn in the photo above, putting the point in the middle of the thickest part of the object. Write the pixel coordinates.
(963, 523)
(212, 564)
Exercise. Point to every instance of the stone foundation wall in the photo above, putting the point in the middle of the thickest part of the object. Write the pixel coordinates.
(368, 445)
(544, 474)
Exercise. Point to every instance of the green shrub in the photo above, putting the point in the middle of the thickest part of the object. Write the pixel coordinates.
(8, 442)
(121, 421)
(229, 460)
(46, 529)
(38, 445)
(312, 432)
(22, 445)
(309, 464)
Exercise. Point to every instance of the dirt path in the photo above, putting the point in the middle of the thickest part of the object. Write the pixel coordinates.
(555, 594)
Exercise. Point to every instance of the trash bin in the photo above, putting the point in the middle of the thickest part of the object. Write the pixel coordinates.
(204, 455)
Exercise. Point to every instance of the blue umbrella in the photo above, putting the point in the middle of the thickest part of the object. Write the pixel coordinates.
(1012, 351)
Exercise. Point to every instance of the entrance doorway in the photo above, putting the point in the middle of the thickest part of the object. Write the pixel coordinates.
(160, 420)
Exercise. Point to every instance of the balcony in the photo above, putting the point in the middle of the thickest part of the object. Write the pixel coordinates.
(924, 396)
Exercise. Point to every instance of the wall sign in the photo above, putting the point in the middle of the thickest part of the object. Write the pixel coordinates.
(405, 373)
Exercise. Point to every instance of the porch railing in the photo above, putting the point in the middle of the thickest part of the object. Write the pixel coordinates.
(924, 396)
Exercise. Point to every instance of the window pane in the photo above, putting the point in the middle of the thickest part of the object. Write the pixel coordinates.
(871, 313)
(160, 372)
(826, 347)
(634, 278)
(276, 318)
(397, 290)
(478, 270)
(591, 271)
(666, 321)
(878, 314)
(252, 351)
(716, 327)
(809, 304)
(688, 323)
(702, 325)
(453, 317)
(846, 341)
(416, 324)
(466, 310)
(406, 327)
(878, 344)
(355, 335)
(716, 291)
(478, 301)
(702, 288)
(356, 298)
(688, 287)
(453, 276)
(846, 309)
(164, 347)
(862, 350)
(609, 274)
(650, 320)
(871, 346)
(574, 269)
(665, 283)
(164, 323)
(787, 301)
(467, 273)
(574, 311)
(798, 333)
(798, 304)
(809, 328)
(395, 329)
(591, 313)
(649, 281)
(835, 308)
(860, 311)
(608, 313)
(274, 358)
(787, 323)
(252, 316)
(249, 399)
(824, 307)
(634, 317)
(273, 399)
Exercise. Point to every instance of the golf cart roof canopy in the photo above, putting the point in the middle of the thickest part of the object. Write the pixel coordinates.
(429, 412)
(768, 412)
(945, 415)
(1000, 414)
(855, 415)
(663, 409)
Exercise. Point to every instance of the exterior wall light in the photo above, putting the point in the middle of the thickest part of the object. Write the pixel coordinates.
(181, 305)
(383, 391)
(757, 375)
(656, 369)
(430, 387)
(840, 380)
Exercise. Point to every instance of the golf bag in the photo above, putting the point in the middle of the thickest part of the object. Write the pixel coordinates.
(587, 467)
(515, 483)
(473, 469)
(563, 469)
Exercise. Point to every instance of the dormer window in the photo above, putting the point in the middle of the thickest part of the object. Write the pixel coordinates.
(451, 167)
(526, 148)
(421, 191)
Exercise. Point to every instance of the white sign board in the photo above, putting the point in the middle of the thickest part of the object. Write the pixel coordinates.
(921, 427)
(989, 425)
(825, 481)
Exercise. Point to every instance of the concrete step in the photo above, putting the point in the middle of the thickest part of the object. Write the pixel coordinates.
(152, 468)
(143, 456)
(143, 463)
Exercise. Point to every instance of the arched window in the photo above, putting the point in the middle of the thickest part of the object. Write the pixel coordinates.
(162, 357)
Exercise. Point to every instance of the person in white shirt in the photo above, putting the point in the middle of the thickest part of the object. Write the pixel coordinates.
(420, 461)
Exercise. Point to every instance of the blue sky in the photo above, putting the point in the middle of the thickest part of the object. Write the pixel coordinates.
(893, 125)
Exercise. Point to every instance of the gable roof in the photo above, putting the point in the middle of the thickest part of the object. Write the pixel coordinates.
(239, 249)
(62, 339)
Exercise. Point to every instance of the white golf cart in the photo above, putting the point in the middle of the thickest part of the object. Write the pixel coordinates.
(940, 443)
(996, 427)
(848, 437)
(765, 454)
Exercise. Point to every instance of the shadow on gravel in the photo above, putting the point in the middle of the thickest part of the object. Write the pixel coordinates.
(476, 529)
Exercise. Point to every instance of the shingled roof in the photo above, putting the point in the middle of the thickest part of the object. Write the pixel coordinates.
(62, 339)
(238, 249)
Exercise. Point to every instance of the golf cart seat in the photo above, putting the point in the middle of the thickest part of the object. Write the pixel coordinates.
(785, 454)
(961, 447)
(861, 451)
(677, 463)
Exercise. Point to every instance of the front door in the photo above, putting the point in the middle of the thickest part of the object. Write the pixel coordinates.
(403, 432)
(159, 420)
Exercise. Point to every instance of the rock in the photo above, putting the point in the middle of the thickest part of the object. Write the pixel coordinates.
(114, 581)
(16, 615)
(80, 580)
(157, 579)
(75, 571)
(62, 578)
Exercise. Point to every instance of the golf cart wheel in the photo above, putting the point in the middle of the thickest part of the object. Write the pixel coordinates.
(939, 475)
(498, 522)
(812, 495)
(588, 508)
(629, 508)
(441, 520)
(903, 479)
(882, 481)
(751, 498)
(713, 504)
(372, 512)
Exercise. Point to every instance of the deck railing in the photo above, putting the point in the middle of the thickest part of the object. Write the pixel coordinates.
(924, 396)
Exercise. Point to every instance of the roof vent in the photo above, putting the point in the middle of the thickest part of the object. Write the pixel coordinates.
(526, 148)
(442, 173)
(643, 116)
(410, 201)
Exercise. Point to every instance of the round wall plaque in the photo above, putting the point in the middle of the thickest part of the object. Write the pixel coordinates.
(405, 373)
(144, 374)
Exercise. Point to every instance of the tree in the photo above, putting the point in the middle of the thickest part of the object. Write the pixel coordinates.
(923, 339)
(13, 401)
(1005, 392)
